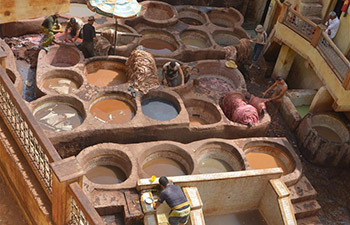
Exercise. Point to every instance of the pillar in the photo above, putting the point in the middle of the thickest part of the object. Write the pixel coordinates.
(284, 62)
(322, 101)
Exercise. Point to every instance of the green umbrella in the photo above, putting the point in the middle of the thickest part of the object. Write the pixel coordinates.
(118, 9)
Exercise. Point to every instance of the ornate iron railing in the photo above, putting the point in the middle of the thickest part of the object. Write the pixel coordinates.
(329, 51)
(35, 146)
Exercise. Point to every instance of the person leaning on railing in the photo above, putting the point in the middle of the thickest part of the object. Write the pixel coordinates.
(332, 25)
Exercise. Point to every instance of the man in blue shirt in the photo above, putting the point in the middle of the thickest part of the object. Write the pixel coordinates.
(177, 201)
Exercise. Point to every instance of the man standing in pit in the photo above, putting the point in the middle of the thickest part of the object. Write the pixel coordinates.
(89, 36)
(279, 88)
(177, 201)
(171, 76)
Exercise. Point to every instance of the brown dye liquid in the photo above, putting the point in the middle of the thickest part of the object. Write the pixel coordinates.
(252, 217)
(197, 121)
(194, 42)
(163, 167)
(106, 175)
(191, 21)
(211, 165)
(262, 160)
(327, 133)
(103, 77)
(158, 46)
(112, 111)
(60, 85)
(58, 117)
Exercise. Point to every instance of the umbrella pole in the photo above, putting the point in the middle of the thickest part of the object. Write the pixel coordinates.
(115, 36)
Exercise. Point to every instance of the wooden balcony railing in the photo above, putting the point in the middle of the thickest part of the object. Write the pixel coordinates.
(319, 39)
(56, 176)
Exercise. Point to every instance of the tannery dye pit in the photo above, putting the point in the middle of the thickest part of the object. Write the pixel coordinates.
(106, 175)
(163, 167)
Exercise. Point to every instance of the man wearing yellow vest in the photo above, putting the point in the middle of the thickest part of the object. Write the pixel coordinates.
(177, 201)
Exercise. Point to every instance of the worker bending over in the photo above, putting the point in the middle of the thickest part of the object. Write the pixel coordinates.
(49, 27)
(177, 201)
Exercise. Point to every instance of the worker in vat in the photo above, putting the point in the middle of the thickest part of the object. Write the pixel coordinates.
(170, 72)
(279, 88)
(73, 28)
(177, 201)
(49, 27)
(258, 103)
(89, 36)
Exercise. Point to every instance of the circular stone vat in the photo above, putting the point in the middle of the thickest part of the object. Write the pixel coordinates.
(79, 10)
(62, 56)
(106, 175)
(218, 157)
(160, 108)
(105, 165)
(59, 115)
(158, 11)
(61, 81)
(103, 73)
(158, 42)
(267, 156)
(330, 128)
(113, 109)
(191, 17)
(225, 38)
(224, 18)
(166, 160)
(201, 112)
(195, 39)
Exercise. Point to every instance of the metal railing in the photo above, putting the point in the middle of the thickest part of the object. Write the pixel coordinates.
(308, 29)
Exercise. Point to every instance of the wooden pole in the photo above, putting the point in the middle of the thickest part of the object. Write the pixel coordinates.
(284, 11)
(317, 35)
(115, 36)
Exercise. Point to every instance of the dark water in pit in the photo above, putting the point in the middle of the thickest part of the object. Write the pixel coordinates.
(104, 77)
(106, 175)
(163, 167)
(157, 46)
(112, 111)
(211, 165)
(159, 109)
(58, 116)
(60, 85)
(252, 217)
(327, 133)
(263, 160)
(191, 21)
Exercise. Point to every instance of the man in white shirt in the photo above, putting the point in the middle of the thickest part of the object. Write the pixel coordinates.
(332, 25)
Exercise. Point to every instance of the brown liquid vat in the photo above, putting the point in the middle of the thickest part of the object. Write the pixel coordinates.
(202, 112)
(104, 72)
(112, 155)
(113, 108)
(226, 38)
(195, 39)
(324, 140)
(158, 14)
(60, 56)
(191, 16)
(227, 18)
(44, 81)
(220, 151)
(267, 154)
(159, 43)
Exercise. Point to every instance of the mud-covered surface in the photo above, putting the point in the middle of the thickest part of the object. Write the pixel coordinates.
(332, 185)
(10, 213)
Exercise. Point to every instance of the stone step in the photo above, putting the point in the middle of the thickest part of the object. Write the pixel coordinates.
(314, 220)
(311, 9)
(311, 1)
(306, 209)
(302, 191)
(315, 19)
